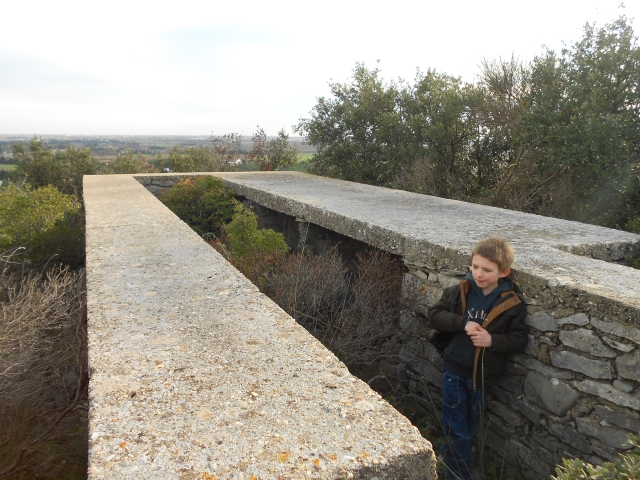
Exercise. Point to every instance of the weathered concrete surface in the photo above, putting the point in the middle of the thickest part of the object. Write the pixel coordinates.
(440, 233)
(584, 309)
(195, 374)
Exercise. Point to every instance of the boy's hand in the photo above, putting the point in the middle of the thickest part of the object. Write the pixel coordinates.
(479, 336)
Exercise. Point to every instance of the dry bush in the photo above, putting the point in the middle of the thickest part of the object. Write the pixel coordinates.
(43, 365)
(255, 266)
(313, 289)
(418, 177)
(521, 189)
(352, 312)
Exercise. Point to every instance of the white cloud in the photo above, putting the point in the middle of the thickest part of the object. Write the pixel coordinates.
(190, 67)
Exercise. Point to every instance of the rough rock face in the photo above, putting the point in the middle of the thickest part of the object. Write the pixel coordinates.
(580, 369)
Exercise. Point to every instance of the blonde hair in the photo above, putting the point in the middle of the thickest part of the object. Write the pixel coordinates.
(495, 250)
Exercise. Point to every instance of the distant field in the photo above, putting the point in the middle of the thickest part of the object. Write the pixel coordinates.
(8, 167)
(305, 156)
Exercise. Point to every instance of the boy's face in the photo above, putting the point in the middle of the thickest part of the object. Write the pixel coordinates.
(486, 273)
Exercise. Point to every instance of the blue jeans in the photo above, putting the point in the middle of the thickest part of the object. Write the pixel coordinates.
(461, 408)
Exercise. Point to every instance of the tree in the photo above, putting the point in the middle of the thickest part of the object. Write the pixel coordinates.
(274, 154)
(281, 153)
(178, 162)
(559, 136)
(360, 133)
(63, 169)
(439, 114)
(582, 122)
(128, 163)
(225, 150)
(203, 159)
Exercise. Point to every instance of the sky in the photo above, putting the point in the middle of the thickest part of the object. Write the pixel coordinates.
(200, 68)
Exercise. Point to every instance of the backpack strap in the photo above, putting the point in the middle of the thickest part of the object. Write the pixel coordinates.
(499, 309)
(464, 289)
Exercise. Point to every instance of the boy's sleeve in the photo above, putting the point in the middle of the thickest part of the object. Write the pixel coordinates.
(515, 338)
(442, 316)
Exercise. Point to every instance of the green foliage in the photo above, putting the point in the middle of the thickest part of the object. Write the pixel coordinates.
(274, 154)
(360, 133)
(178, 162)
(244, 237)
(130, 163)
(633, 225)
(202, 202)
(583, 121)
(559, 136)
(440, 114)
(302, 166)
(63, 169)
(627, 467)
(281, 154)
(251, 250)
(202, 159)
(47, 223)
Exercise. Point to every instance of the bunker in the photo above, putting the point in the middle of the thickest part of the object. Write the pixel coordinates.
(195, 374)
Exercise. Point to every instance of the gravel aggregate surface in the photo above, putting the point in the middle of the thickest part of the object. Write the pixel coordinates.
(195, 374)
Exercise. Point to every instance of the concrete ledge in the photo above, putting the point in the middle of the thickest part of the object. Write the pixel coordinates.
(580, 366)
(195, 374)
(439, 234)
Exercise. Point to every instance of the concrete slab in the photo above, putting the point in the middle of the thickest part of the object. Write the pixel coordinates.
(440, 233)
(196, 375)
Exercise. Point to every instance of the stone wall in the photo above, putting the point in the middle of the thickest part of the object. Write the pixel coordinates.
(572, 393)
(575, 391)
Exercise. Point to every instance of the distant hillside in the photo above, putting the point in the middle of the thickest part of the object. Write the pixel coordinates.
(107, 146)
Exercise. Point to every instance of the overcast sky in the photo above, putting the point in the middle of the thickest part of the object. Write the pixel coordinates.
(193, 68)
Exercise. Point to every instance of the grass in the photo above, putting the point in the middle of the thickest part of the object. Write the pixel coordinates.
(301, 166)
(8, 167)
(247, 167)
(305, 156)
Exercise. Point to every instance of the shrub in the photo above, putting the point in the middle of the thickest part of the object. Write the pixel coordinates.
(250, 249)
(627, 467)
(201, 159)
(180, 163)
(43, 386)
(62, 169)
(47, 223)
(130, 163)
(244, 237)
(313, 289)
(202, 202)
(352, 312)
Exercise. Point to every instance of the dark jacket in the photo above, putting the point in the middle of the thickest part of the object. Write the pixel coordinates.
(505, 323)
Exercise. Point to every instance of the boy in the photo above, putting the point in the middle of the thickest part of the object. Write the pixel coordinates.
(486, 317)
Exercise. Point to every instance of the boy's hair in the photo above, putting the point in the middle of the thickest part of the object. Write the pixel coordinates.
(495, 250)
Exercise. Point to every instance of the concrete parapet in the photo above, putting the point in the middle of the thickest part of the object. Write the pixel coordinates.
(195, 374)
(575, 391)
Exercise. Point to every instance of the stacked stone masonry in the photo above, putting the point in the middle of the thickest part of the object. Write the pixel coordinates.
(575, 391)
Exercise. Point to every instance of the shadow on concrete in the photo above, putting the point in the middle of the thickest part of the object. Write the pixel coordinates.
(421, 466)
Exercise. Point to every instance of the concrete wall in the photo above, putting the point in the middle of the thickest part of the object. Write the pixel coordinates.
(194, 374)
(575, 392)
